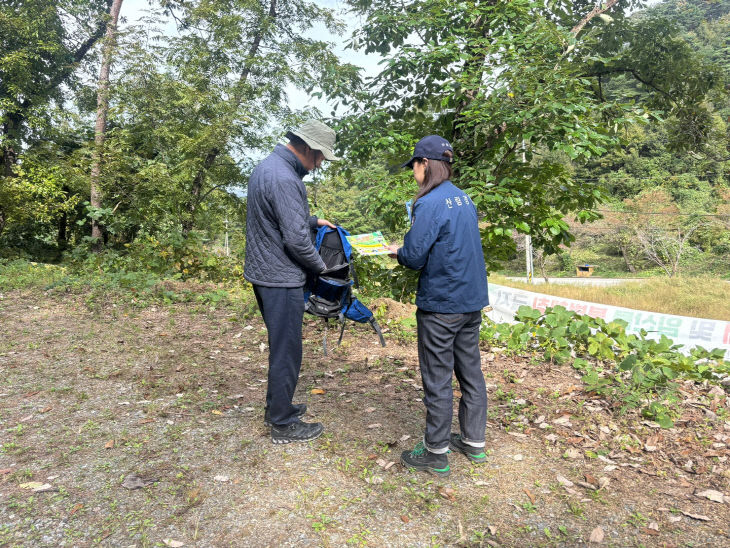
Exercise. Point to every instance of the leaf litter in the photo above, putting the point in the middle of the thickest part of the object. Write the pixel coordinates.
(630, 465)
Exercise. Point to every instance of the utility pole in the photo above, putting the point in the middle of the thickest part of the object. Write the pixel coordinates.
(528, 238)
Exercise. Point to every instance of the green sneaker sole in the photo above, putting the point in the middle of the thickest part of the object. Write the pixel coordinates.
(476, 458)
(440, 472)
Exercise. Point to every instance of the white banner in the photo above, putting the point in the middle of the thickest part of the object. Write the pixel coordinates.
(684, 330)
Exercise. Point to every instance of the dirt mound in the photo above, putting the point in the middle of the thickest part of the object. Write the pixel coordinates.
(390, 309)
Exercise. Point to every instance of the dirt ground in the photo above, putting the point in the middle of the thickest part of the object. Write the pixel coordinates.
(127, 426)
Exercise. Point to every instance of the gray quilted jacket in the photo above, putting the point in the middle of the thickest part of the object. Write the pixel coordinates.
(279, 248)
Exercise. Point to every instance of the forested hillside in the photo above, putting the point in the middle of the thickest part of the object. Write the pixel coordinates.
(609, 125)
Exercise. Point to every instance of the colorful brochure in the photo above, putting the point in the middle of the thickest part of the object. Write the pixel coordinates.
(371, 243)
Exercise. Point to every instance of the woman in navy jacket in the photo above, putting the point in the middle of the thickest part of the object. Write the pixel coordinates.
(445, 246)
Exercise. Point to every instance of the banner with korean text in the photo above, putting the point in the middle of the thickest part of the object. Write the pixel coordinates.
(684, 330)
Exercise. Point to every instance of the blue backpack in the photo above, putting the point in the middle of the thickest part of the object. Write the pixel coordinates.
(330, 293)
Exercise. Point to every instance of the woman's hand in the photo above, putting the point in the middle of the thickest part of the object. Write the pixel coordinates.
(393, 251)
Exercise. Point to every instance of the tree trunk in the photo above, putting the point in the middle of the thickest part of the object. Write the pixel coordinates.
(11, 137)
(62, 236)
(102, 108)
(212, 153)
(629, 265)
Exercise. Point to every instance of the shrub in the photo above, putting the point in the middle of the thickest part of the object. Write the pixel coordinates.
(632, 370)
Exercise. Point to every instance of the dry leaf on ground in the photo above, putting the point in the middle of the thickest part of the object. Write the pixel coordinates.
(529, 495)
(711, 494)
(695, 516)
(448, 493)
(597, 535)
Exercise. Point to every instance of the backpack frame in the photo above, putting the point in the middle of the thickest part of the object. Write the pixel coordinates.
(330, 293)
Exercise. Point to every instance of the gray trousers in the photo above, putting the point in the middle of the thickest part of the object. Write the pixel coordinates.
(449, 344)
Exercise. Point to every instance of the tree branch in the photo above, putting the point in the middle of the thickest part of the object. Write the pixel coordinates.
(598, 10)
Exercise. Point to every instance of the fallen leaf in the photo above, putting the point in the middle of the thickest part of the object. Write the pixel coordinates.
(405, 519)
(133, 481)
(448, 493)
(216, 412)
(649, 531)
(172, 543)
(46, 409)
(564, 481)
(571, 453)
(318, 391)
(596, 535)
(146, 421)
(529, 495)
(696, 516)
(31, 485)
(587, 485)
(404, 437)
(369, 410)
(653, 525)
(492, 530)
(674, 519)
(109, 444)
(31, 394)
(711, 494)
(76, 508)
(591, 479)
(374, 425)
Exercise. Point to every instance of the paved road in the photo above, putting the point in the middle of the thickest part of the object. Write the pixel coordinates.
(602, 282)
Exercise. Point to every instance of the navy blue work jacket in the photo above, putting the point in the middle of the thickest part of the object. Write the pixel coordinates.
(445, 245)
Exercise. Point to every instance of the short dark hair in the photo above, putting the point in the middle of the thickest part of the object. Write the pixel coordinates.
(437, 171)
(298, 143)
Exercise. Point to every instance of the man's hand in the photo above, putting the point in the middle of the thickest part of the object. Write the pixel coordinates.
(325, 222)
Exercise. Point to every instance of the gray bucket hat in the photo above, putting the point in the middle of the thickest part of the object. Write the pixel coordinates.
(319, 137)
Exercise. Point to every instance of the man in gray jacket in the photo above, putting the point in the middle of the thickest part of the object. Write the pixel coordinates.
(279, 255)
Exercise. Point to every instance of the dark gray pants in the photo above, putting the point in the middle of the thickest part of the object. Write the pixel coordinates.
(449, 343)
(283, 310)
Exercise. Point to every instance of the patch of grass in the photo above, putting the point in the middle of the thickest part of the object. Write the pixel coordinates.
(703, 297)
(19, 274)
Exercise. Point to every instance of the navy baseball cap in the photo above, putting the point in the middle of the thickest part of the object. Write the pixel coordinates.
(431, 147)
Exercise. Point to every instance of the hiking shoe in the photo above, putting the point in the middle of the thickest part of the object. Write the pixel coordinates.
(296, 431)
(474, 454)
(422, 459)
(300, 407)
